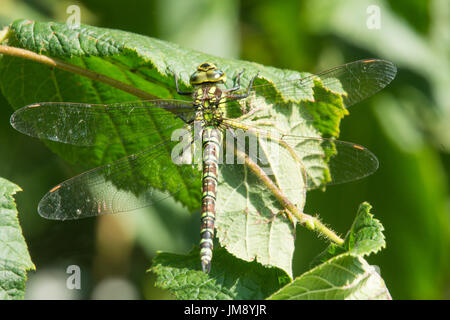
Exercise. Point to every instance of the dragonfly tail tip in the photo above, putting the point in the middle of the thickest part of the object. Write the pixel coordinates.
(206, 266)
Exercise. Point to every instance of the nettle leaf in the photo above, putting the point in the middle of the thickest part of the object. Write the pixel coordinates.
(344, 277)
(14, 257)
(230, 278)
(364, 237)
(344, 273)
(250, 221)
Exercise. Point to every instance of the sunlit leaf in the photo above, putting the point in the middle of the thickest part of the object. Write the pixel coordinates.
(344, 273)
(230, 278)
(14, 257)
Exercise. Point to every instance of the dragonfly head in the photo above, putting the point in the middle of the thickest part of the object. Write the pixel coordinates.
(207, 73)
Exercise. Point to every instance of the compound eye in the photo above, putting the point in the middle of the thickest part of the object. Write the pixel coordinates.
(215, 75)
(195, 78)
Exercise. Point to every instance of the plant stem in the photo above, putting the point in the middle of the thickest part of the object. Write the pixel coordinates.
(30, 55)
(310, 222)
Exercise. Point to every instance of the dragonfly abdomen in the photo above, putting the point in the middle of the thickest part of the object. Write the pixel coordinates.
(211, 138)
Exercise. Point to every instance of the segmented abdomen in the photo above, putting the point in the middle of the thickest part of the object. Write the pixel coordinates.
(211, 138)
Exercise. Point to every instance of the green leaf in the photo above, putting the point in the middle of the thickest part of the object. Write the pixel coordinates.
(344, 273)
(364, 237)
(14, 256)
(250, 223)
(343, 277)
(230, 278)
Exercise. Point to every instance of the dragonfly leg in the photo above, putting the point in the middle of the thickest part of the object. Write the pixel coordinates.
(178, 89)
(244, 95)
(237, 83)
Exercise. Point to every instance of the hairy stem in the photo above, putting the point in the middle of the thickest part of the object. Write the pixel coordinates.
(310, 222)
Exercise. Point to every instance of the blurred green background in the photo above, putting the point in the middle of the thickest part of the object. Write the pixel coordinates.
(406, 126)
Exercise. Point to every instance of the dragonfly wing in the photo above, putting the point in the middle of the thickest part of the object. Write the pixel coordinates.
(359, 79)
(93, 124)
(355, 81)
(127, 184)
(327, 161)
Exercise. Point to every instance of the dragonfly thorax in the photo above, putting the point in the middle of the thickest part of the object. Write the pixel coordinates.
(209, 101)
(207, 96)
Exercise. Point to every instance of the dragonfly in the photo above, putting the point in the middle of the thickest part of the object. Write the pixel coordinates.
(209, 113)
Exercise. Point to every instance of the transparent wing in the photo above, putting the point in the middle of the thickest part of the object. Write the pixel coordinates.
(359, 80)
(127, 184)
(130, 183)
(322, 161)
(91, 124)
(346, 161)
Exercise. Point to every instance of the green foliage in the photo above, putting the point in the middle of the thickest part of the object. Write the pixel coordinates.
(250, 225)
(344, 277)
(230, 278)
(14, 257)
(364, 237)
(405, 126)
(145, 63)
(343, 273)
